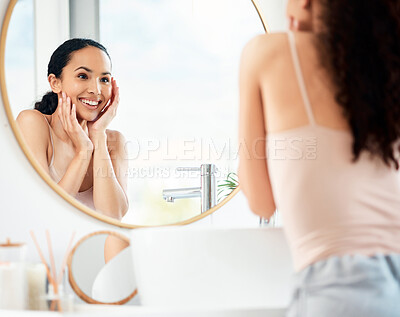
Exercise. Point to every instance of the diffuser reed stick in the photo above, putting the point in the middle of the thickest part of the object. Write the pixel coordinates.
(52, 273)
(52, 262)
(49, 277)
(64, 263)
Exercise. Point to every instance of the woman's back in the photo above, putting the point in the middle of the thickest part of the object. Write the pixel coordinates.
(330, 204)
(319, 133)
(281, 93)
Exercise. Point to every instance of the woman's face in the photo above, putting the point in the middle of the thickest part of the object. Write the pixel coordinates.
(86, 79)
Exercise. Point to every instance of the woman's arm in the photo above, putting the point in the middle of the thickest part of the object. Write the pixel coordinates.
(253, 170)
(77, 169)
(110, 174)
(75, 174)
(110, 163)
(36, 135)
(113, 246)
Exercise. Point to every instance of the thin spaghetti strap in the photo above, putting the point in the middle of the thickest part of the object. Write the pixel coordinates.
(300, 78)
(51, 140)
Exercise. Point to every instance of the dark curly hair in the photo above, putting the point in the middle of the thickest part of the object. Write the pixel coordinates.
(60, 58)
(360, 47)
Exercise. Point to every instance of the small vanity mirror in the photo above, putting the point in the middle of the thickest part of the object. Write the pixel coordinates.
(177, 65)
(100, 269)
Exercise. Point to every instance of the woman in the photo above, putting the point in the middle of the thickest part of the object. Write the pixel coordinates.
(67, 131)
(319, 132)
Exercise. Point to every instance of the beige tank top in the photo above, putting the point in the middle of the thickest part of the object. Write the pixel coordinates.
(85, 197)
(330, 205)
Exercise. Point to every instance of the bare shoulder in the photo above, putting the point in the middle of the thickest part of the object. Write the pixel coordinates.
(36, 134)
(268, 43)
(32, 121)
(264, 48)
(30, 116)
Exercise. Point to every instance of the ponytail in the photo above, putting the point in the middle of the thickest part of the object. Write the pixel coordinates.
(48, 104)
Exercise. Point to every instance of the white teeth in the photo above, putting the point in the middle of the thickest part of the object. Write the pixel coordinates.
(90, 102)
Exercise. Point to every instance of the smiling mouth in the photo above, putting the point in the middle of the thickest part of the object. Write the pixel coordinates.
(91, 104)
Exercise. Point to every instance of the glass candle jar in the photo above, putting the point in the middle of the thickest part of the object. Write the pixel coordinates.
(12, 275)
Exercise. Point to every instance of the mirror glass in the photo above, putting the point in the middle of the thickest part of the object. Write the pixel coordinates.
(100, 269)
(177, 65)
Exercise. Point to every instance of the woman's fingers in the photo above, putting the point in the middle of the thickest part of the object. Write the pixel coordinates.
(64, 108)
(60, 110)
(115, 99)
(74, 121)
(67, 116)
(72, 117)
(112, 90)
(67, 108)
(110, 108)
(64, 112)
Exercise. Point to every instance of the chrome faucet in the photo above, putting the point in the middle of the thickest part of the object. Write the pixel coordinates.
(207, 190)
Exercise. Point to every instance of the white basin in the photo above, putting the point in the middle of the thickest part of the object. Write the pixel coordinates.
(209, 267)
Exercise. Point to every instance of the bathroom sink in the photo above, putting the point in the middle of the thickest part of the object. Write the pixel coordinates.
(210, 267)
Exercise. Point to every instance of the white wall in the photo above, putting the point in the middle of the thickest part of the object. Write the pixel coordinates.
(274, 12)
(27, 203)
(48, 37)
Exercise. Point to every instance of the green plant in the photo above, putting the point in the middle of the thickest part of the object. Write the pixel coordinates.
(227, 186)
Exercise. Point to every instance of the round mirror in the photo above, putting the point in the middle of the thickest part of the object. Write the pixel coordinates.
(177, 66)
(100, 269)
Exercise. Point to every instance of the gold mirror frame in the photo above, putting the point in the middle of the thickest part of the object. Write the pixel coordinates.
(78, 291)
(60, 191)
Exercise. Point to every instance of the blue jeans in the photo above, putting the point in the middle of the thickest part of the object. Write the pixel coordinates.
(352, 285)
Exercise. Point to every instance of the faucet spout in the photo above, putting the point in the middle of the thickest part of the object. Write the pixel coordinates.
(206, 191)
(179, 193)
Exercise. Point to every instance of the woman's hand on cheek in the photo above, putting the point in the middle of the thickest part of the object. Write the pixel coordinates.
(67, 116)
(98, 127)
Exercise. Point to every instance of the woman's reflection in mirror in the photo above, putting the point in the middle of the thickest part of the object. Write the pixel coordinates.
(67, 131)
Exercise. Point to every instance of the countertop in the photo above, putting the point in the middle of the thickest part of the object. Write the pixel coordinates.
(141, 311)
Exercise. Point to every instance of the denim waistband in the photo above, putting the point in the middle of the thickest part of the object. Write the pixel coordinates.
(350, 266)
